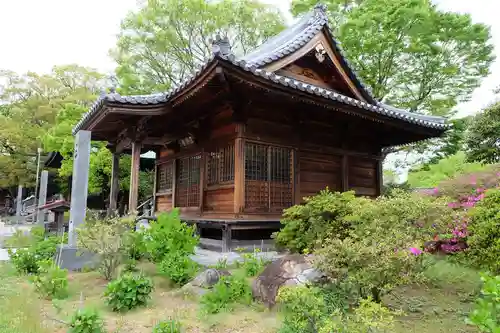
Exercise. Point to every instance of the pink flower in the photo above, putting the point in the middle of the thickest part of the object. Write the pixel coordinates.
(435, 190)
(415, 251)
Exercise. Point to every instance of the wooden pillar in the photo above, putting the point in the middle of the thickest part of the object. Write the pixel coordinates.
(134, 177)
(115, 183)
(155, 185)
(345, 173)
(202, 179)
(226, 238)
(296, 177)
(174, 182)
(239, 171)
(380, 176)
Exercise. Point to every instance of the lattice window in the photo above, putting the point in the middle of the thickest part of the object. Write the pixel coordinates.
(268, 178)
(220, 166)
(188, 182)
(165, 177)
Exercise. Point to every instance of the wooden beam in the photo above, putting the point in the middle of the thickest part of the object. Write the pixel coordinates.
(115, 183)
(134, 177)
(234, 97)
(150, 111)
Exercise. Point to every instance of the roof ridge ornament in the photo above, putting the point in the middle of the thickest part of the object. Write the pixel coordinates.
(320, 10)
(221, 45)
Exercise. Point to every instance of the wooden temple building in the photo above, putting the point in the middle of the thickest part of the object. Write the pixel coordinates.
(244, 138)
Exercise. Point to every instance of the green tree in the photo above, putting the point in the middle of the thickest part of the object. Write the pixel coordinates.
(410, 53)
(59, 138)
(483, 136)
(166, 40)
(30, 104)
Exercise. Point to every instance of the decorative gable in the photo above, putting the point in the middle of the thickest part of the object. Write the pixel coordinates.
(317, 65)
(310, 41)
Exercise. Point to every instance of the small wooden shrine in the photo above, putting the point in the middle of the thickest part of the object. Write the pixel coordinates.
(244, 138)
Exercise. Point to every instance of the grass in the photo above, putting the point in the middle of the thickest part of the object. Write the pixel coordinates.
(20, 309)
(438, 305)
(441, 304)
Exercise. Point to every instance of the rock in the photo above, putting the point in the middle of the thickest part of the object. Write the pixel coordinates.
(189, 289)
(208, 278)
(204, 281)
(291, 270)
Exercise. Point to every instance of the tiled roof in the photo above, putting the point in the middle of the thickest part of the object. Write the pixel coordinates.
(298, 35)
(277, 47)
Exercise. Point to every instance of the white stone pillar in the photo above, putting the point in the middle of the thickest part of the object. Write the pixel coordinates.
(79, 188)
(42, 198)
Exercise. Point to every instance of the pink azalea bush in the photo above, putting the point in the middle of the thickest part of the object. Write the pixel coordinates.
(465, 192)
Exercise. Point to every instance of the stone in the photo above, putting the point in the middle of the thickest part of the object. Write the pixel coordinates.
(204, 281)
(79, 187)
(290, 270)
(208, 278)
(42, 197)
(73, 259)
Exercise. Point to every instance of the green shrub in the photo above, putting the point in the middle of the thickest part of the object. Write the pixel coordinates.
(307, 310)
(252, 264)
(367, 317)
(307, 226)
(107, 239)
(135, 245)
(168, 326)
(86, 321)
(52, 281)
(41, 249)
(486, 314)
(229, 291)
(169, 235)
(24, 260)
(128, 291)
(130, 266)
(484, 229)
(37, 233)
(382, 249)
(303, 308)
(178, 268)
(46, 249)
